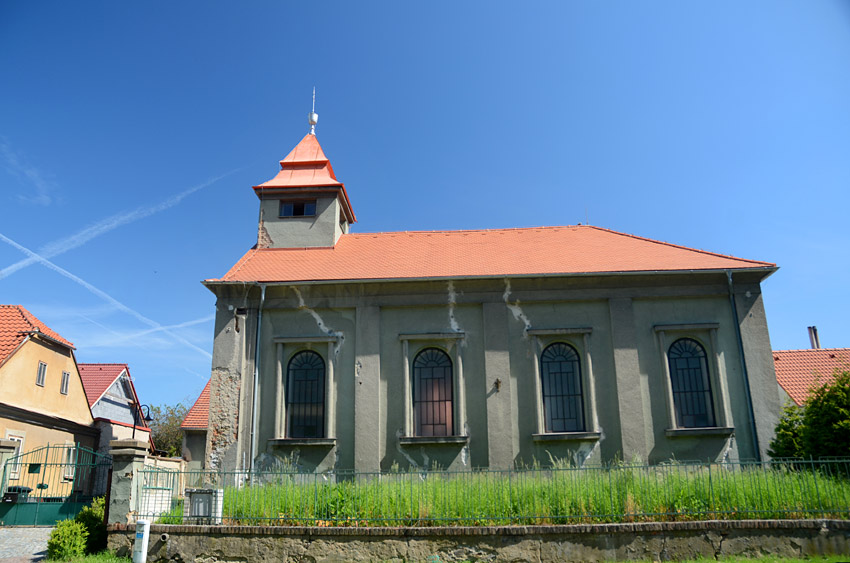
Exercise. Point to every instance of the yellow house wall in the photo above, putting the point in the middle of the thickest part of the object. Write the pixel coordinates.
(18, 382)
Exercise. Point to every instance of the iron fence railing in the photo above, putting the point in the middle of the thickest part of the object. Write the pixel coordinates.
(55, 474)
(611, 493)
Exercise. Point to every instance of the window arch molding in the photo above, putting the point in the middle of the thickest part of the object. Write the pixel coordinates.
(448, 343)
(287, 349)
(705, 336)
(578, 340)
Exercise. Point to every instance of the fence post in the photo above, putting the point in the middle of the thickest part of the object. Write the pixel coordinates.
(128, 458)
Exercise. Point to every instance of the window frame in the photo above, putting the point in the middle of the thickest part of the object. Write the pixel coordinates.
(20, 438)
(289, 405)
(705, 334)
(41, 374)
(287, 348)
(69, 462)
(451, 344)
(420, 404)
(294, 203)
(65, 383)
(564, 399)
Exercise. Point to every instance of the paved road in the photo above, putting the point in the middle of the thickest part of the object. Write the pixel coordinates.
(23, 545)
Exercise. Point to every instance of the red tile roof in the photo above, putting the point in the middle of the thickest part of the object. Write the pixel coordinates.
(198, 415)
(306, 166)
(485, 253)
(16, 323)
(797, 371)
(97, 378)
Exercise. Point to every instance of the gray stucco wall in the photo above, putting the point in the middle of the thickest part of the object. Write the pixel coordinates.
(297, 232)
(617, 322)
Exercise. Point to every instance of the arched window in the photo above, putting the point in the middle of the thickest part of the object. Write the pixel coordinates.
(560, 372)
(305, 396)
(432, 393)
(691, 387)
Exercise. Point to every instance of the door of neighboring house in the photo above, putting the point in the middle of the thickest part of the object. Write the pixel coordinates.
(51, 483)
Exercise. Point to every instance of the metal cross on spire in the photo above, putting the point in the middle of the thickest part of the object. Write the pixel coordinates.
(313, 118)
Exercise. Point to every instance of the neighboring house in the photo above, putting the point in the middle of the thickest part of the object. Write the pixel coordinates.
(485, 348)
(797, 371)
(42, 401)
(113, 400)
(194, 429)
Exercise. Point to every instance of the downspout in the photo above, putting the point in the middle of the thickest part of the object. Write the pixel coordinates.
(255, 411)
(743, 365)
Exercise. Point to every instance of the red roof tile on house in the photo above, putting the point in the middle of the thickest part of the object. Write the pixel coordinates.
(97, 378)
(484, 253)
(797, 371)
(16, 323)
(198, 415)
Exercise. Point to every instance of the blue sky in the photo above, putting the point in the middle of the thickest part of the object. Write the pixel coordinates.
(131, 134)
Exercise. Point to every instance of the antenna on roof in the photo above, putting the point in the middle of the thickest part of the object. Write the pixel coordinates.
(313, 118)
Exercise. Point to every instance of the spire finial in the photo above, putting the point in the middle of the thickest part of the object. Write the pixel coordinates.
(313, 118)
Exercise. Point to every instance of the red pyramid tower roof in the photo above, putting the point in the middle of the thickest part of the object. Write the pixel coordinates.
(304, 168)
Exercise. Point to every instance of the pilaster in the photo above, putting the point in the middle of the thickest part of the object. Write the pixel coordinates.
(128, 458)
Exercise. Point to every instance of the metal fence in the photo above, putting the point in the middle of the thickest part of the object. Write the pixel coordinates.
(611, 493)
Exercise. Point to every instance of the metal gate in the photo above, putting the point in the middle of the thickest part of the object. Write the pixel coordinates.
(51, 483)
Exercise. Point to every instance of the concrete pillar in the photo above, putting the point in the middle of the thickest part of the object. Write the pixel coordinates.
(501, 421)
(627, 376)
(128, 458)
(7, 450)
(367, 387)
(758, 356)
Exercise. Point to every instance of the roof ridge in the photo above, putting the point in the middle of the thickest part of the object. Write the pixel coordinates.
(545, 227)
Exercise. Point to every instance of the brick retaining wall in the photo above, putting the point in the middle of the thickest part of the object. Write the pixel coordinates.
(653, 541)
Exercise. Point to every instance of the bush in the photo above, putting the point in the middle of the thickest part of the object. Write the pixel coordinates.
(67, 541)
(91, 517)
(821, 427)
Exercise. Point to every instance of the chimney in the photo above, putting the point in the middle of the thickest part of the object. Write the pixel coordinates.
(813, 337)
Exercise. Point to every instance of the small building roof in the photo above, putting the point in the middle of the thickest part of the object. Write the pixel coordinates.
(538, 251)
(97, 378)
(198, 415)
(797, 371)
(16, 324)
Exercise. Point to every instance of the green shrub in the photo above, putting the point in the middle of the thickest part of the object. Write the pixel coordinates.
(67, 541)
(91, 517)
(787, 441)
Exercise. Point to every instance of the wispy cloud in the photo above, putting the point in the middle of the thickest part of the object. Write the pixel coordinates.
(121, 337)
(40, 181)
(78, 239)
(103, 295)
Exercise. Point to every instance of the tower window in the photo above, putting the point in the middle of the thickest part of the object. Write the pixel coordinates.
(297, 208)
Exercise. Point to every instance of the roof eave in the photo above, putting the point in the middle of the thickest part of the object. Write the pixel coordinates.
(210, 283)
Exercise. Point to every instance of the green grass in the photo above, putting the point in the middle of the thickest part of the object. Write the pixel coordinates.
(620, 494)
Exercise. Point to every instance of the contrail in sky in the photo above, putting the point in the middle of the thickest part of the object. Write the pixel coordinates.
(103, 226)
(102, 294)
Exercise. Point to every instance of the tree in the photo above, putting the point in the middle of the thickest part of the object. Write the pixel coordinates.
(821, 427)
(165, 428)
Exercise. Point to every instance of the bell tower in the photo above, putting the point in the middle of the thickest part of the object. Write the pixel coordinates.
(304, 205)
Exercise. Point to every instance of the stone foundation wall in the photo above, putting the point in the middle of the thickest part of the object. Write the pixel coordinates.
(653, 541)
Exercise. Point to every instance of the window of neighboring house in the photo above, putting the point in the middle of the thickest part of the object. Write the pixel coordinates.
(70, 462)
(305, 396)
(689, 380)
(432, 393)
(560, 373)
(298, 208)
(66, 378)
(15, 469)
(42, 373)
